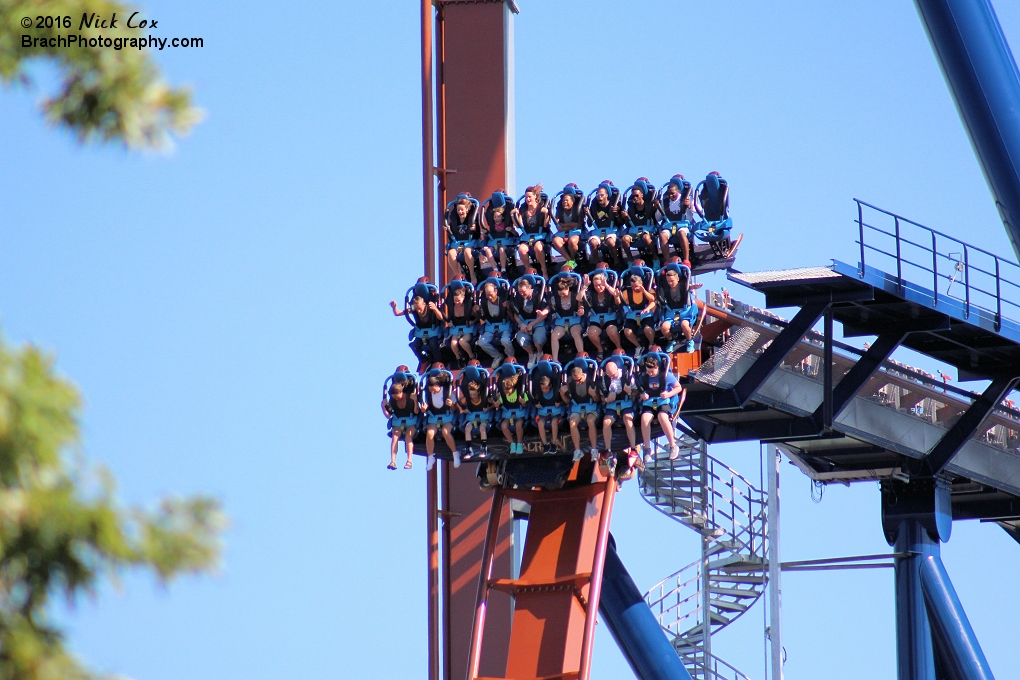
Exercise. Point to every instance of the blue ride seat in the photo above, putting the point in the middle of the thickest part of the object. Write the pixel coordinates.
(430, 293)
(496, 237)
(546, 368)
(541, 233)
(623, 403)
(643, 221)
(558, 317)
(600, 221)
(712, 203)
(673, 220)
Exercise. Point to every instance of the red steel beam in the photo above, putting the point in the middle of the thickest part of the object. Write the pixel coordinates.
(429, 219)
(595, 589)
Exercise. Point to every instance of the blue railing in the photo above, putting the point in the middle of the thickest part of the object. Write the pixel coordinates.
(957, 270)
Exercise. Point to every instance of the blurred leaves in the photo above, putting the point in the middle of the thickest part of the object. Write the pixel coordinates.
(105, 94)
(61, 530)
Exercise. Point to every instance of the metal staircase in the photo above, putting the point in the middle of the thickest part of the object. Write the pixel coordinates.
(731, 574)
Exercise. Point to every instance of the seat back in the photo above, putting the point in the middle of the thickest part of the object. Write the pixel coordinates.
(713, 198)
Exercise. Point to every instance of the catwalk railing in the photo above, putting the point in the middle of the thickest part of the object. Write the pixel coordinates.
(955, 269)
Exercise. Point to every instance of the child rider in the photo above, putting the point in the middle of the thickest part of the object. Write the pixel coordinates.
(580, 396)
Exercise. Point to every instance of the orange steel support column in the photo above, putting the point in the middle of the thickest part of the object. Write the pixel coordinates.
(558, 592)
(474, 134)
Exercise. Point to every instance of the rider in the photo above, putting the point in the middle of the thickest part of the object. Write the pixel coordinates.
(603, 303)
(569, 214)
(638, 307)
(676, 305)
(533, 224)
(427, 319)
(640, 215)
(659, 394)
(400, 406)
(529, 311)
(437, 407)
(606, 219)
(459, 311)
(567, 310)
(462, 234)
(676, 211)
(493, 310)
(475, 406)
(543, 391)
(499, 228)
(579, 394)
(512, 399)
(616, 389)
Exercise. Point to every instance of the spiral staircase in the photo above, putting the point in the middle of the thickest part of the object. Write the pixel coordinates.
(729, 513)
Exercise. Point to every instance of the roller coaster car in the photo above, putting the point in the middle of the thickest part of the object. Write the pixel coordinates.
(712, 203)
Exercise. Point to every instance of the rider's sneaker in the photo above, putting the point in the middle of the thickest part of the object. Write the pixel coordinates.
(496, 362)
(690, 346)
(431, 462)
(456, 459)
(674, 452)
(647, 450)
(578, 455)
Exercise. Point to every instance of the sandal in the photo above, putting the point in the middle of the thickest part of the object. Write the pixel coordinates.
(407, 466)
(391, 466)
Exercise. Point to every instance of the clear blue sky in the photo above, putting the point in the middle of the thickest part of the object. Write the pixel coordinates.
(227, 321)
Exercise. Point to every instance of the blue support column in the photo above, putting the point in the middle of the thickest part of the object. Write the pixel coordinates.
(915, 656)
(959, 651)
(644, 644)
(983, 78)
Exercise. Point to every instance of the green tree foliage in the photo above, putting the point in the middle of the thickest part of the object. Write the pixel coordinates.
(61, 530)
(105, 94)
